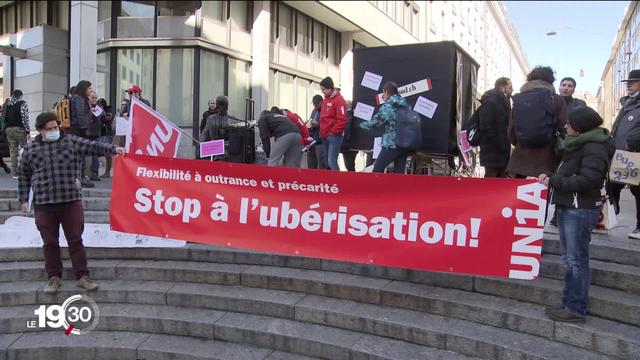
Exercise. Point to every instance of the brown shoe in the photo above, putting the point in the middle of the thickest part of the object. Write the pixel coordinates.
(86, 283)
(565, 315)
(52, 285)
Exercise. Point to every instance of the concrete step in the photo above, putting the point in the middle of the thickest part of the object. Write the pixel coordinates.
(90, 216)
(89, 203)
(13, 193)
(265, 332)
(605, 274)
(481, 312)
(610, 275)
(408, 333)
(109, 345)
(625, 252)
(607, 303)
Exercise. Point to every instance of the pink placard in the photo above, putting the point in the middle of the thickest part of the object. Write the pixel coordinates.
(211, 148)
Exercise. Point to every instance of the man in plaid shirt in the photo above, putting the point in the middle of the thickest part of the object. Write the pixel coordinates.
(51, 166)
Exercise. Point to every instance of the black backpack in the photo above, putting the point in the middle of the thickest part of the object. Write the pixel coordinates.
(13, 114)
(408, 129)
(534, 119)
(472, 126)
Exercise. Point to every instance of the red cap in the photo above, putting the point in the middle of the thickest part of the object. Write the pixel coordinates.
(134, 88)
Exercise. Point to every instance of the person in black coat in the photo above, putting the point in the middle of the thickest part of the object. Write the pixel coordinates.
(575, 190)
(495, 111)
(4, 150)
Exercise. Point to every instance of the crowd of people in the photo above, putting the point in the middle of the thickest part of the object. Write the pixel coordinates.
(537, 133)
(557, 139)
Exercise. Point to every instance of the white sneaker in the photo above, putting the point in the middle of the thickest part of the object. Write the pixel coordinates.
(635, 234)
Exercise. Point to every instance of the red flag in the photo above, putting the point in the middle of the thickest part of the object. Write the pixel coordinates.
(151, 133)
(581, 72)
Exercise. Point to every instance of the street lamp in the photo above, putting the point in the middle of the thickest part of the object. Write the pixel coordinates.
(554, 32)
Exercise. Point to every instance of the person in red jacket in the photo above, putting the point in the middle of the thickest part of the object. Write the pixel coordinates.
(296, 119)
(333, 121)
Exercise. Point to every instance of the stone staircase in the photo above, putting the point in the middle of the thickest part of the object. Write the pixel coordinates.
(205, 302)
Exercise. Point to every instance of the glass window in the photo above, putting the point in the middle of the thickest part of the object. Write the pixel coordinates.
(103, 69)
(318, 40)
(104, 20)
(213, 10)
(8, 19)
(285, 26)
(285, 91)
(211, 77)
(303, 41)
(61, 15)
(24, 14)
(40, 14)
(239, 86)
(303, 101)
(176, 19)
(136, 19)
(175, 68)
(274, 21)
(239, 15)
(273, 91)
(130, 77)
(144, 70)
(333, 46)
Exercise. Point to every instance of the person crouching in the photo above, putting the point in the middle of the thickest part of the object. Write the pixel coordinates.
(51, 166)
(575, 190)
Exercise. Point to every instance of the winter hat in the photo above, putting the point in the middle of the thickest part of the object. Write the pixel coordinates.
(327, 83)
(584, 119)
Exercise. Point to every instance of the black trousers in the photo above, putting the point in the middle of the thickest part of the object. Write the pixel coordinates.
(388, 156)
(614, 190)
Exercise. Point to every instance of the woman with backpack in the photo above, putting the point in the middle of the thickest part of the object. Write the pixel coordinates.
(538, 117)
(575, 190)
(386, 118)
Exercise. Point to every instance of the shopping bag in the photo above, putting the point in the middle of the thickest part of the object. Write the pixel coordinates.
(625, 168)
(608, 219)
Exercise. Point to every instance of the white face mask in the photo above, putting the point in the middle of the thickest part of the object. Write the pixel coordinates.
(51, 136)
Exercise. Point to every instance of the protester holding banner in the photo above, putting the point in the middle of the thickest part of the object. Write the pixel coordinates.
(386, 118)
(588, 149)
(50, 166)
(333, 120)
(626, 122)
(287, 136)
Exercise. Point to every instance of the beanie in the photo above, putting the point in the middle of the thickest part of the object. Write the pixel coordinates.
(584, 119)
(327, 83)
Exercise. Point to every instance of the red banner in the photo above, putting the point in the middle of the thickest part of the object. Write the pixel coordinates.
(462, 225)
(151, 133)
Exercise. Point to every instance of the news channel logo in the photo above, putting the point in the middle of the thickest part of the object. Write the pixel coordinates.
(78, 315)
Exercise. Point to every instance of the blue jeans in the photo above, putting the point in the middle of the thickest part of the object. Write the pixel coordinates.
(95, 160)
(332, 150)
(575, 227)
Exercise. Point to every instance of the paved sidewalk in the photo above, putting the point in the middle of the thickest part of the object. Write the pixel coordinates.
(626, 219)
